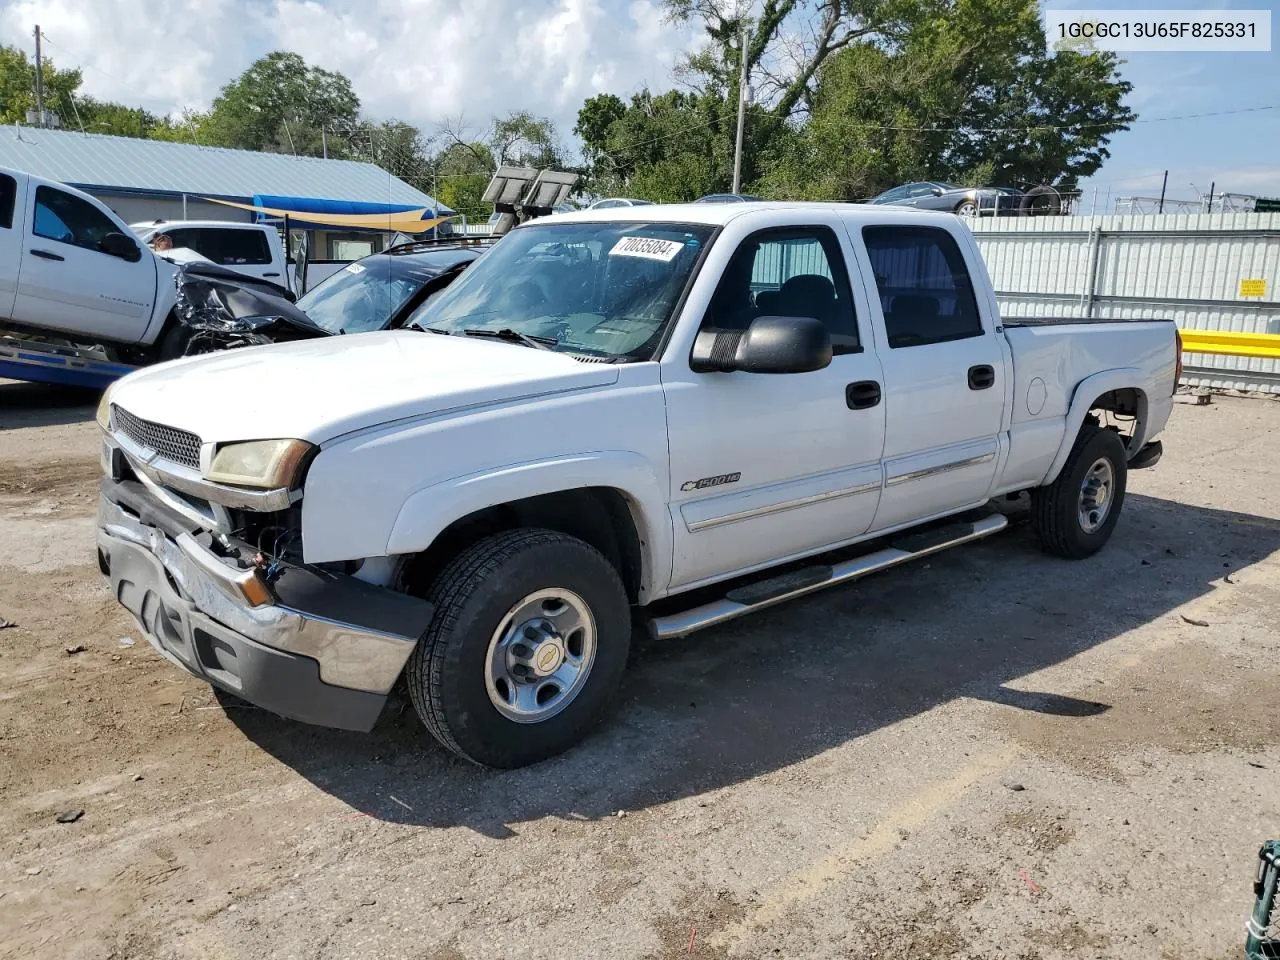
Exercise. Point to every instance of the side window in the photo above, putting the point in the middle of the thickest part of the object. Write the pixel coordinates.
(189, 239)
(897, 193)
(925, 289)
(229, 247)
(234, 247)
(8, 194)
(793, 272)
(67, 219)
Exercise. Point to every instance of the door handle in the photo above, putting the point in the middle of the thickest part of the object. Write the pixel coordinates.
(862, 395)
(272, 274)
(982, 377)
(47, 255)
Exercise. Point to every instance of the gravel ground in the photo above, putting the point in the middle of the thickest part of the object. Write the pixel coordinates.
(990, 754)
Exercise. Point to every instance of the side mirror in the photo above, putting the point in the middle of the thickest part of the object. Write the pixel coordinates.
(118, 245)
(936, 191)
(769, 345)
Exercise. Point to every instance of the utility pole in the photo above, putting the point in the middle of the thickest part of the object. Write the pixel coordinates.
(39, 82)
(1163, 186)
(324, 141)
(742, 109)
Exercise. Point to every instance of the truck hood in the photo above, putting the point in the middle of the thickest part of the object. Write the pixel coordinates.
(317, 390)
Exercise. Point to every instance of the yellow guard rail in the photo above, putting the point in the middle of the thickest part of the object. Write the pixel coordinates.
(1231, 344)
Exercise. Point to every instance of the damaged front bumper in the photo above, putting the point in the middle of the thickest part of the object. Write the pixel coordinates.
(324, 648)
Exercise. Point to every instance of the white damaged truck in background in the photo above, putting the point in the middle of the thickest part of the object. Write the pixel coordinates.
(83, 299)
(670, 415)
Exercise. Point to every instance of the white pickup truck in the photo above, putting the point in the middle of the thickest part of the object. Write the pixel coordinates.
(72, 272)
(671, 415)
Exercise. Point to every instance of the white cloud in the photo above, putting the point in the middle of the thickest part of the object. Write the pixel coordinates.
(415, 60)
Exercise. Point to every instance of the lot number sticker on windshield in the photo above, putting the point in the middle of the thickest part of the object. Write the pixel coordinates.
(354, 268)
(648, 248)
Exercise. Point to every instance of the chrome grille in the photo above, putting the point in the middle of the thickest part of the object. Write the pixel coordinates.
(175, 445)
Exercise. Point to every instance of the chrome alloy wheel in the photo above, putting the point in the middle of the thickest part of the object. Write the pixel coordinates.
(1096, 493)
(540, 655)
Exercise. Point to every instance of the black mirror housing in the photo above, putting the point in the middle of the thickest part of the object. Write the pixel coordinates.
(118, 245)
(769, 345)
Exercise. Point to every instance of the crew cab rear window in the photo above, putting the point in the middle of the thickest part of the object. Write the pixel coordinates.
(227, 246)
(8, 194)
(925, 289)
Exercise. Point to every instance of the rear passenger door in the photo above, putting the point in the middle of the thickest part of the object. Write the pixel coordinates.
(944, 375)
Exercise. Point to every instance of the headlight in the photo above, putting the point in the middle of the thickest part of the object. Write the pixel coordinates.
(270, 464)
(104, 409)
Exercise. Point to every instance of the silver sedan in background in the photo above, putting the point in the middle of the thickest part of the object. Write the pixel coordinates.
(974, 201)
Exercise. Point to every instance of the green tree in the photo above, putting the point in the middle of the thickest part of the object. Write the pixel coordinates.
(463, 167)
(18, 86)
(460, 172)
(76, 111)
(967, 93)
(281, 104)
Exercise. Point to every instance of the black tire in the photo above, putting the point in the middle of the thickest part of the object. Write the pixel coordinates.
(446, 674)
(1055, 509)
(1041, 202)
(173, 341)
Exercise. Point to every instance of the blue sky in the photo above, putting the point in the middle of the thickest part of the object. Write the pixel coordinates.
(1241, 152)
(428, 60)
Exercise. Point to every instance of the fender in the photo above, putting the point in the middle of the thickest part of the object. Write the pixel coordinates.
(1088, 390)
(426, 513)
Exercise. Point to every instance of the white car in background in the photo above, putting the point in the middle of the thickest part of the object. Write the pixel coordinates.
(254, 249)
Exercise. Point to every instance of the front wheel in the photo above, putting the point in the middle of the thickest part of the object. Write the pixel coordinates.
(966, 208)
(1075, 515)
(525, 651)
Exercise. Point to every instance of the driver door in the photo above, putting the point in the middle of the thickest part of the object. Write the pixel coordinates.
(67, 283)
(769, 466)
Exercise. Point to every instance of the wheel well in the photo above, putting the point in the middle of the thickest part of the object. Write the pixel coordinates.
(1123, 411)
(599, 516)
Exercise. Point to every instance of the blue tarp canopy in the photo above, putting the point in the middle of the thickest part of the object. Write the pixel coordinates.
(299, 207)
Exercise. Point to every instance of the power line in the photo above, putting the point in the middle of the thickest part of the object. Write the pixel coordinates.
(110, 76)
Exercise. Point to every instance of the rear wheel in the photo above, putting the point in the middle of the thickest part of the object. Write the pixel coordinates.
(1075, 515)
(526, 648)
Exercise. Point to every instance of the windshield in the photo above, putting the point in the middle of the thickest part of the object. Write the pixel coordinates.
(367, 294)
(602, 289)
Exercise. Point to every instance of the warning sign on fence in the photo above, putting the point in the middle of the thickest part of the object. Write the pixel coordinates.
(1253, 288)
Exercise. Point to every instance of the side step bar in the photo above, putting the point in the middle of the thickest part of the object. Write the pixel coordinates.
(788, 586)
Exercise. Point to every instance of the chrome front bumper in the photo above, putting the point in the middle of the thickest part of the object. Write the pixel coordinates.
(290, 658)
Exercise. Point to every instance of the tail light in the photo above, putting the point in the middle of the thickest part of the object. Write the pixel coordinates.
(1177, 345)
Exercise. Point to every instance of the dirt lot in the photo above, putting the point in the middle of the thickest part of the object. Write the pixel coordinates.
(995, 754)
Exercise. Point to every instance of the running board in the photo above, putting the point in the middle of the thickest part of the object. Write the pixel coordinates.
(797, 583)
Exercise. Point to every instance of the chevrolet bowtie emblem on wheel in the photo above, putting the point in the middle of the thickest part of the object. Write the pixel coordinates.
(710, 482)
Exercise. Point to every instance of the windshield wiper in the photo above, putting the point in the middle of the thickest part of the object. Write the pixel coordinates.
(513, 336)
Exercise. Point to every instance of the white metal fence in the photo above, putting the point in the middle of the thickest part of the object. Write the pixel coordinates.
(1204, 271)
